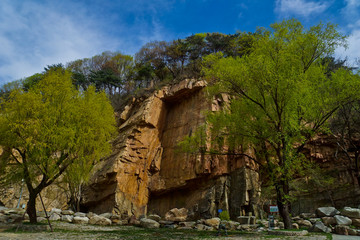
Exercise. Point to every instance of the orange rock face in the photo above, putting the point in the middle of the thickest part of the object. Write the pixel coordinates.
(146, 173)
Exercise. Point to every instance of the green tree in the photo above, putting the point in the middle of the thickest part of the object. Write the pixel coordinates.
(281, 96)
(50, 128)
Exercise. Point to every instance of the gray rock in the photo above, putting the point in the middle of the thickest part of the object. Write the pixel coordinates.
(41, 219)
(15, 218)
(3, 209)
(55, 210)
(154, 217)
(202, 227)
(281, 225)
(149, 223)
(342, 220)
(67, 212)
(106, 215)
(91, 214)
(351, 212)
(80, 220)
(170, 226)
(80, 214)
(314, 220)
(55, 217)
(230, 225)
(4, 219)
(326, 212)
(304, 223)
(163, 222)
(67, 218)
(99, 220)
(320, 227)
(187, 224)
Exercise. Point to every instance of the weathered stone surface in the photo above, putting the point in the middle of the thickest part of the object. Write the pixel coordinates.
(352, 232)
(328, 220)
(326, 212)
(187, 224)
(230, 225)
(80, 220)
(67, 212)
(356, 222)
(342, 220)
(304, 223)
(41, 219)
(149, 223)
(320, 227)
(177, 215)
(106, 215)
(341, 229)
(79, 214)
(55, 210)
(145, 161)
(295, 226)
(213, 222)
(154, 217)
(351, 212)
(67, 218)
(55, 217)
(99, 220)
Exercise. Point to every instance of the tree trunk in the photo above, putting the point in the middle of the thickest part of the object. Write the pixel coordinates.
(31, 208)
(283, 204)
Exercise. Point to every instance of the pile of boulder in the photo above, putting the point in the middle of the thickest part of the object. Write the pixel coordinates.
(325, 219)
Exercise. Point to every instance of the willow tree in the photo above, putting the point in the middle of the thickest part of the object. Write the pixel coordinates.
(49, 128)
(281, 96)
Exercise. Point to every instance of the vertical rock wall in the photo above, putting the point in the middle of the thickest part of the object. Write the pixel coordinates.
(146, 173)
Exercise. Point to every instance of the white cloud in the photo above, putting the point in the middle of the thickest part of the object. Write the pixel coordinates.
(301, 8)
(33, 36)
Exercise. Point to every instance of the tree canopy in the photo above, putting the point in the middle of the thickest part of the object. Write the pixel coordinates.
(49, 128)
(282, 94)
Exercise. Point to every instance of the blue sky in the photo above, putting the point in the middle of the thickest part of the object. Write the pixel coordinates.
(36, 33)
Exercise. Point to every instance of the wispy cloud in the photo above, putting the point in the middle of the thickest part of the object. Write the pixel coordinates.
(302, 8)
(34, 34)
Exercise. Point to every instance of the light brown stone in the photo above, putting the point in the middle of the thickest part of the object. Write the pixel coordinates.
(177, 215)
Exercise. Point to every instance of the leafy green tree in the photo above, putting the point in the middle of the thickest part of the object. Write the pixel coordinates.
(50, 128)
(281, 96)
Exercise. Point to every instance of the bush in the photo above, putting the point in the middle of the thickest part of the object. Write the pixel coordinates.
(224, 215)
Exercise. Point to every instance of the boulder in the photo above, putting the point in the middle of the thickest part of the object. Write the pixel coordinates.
(281, 225)
(351, 212)
(55, 210)
(67, 218)
(326, 212)
(187, 224)
(352, 232)
(154, 217)
(80, 220)
(213, 222)
(90, 214)
(163, 222)
(328, 220)
(304, 223)
(342, 220)
(80, 214)
(99, 220)
(177, 215)
(149, 223)
(295, 226)
(356, 222)
(116, 219)
(67, 212)
(55, 217)
(41, 219)
(4, 219)
(342, 230)
(230, 225)
(314, 220)
(106, 215)
(320, 227)
(15, 218)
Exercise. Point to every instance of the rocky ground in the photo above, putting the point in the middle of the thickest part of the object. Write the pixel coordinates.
(64, 230)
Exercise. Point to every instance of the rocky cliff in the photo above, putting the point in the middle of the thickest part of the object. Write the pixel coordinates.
(146, 173)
